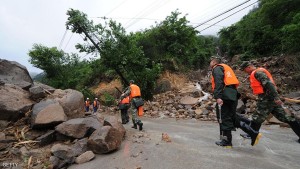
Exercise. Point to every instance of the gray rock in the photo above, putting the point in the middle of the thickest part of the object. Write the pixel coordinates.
(37, 92)
(105, 140)
(80, 127)
(85, 157)
(14, 73)
(47, 113)
(72, 102)
(14, 102)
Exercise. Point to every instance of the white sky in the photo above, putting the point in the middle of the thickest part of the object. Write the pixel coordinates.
(25, 22)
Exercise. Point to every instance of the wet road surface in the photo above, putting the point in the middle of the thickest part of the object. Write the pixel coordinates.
(193, 146)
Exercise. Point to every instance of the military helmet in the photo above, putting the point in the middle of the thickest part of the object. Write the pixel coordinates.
(244, 65)
(215, 57)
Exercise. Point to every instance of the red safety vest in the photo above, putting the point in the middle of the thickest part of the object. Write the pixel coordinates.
(95, 103)
(229, 77)
(256, 86)
(134, 91)
(87, 103)
(125, 100)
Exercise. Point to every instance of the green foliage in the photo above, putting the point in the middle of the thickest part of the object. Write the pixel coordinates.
(87, 93)
(118, 51)
(272, 28)
(61, 70)
(170, 45)
(291, 35)
(109, 100)
(48, 59)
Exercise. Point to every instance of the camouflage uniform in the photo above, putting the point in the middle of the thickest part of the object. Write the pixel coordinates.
(266, 104)
(229, 119)
(134, 109)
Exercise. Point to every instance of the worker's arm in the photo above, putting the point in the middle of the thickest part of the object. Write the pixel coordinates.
(218, 74)
(126, 93)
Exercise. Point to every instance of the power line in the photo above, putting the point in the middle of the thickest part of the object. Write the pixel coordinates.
(221, 14)
(103, 17)
(63, 38)
(228, 16)
(215, 7)
(115, 7)
(144, 13)
(68, 41)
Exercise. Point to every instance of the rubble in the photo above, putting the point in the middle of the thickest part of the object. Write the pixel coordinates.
(48, 127)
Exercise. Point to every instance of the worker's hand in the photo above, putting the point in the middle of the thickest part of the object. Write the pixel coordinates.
(278, 102)
(220, 102)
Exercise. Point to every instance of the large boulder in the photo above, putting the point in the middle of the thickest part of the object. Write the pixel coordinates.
(14, 102)
(47, 113)
(14, 73)
(105, 140)
(71, 101)
(79, 127)
(113, 122)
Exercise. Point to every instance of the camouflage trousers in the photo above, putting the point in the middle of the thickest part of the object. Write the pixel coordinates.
(266, 106)
(134, 115)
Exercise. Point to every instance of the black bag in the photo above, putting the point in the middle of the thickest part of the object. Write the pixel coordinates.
(138, 102)
(229, 94)
(124, 106)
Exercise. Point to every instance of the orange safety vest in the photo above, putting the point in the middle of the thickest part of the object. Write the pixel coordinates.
(87, 103)
(229, 77)
(256, 86)
(95, 103)
(125, 100)
(134, 91)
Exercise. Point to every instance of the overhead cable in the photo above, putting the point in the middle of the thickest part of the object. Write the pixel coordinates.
(62, 39)
(221, 13)
(228, 16)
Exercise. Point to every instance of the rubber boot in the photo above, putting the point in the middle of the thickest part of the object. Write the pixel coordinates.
(127, 117)
(140, 126)
(123, 118)
(253, 125)
(248, 122)
(226, 141)
(134, 126)
(255, 135)
(295, 127)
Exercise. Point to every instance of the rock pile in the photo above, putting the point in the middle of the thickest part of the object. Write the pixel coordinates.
(43, 127)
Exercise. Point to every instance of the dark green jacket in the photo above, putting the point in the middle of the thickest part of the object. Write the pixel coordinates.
(220, 91)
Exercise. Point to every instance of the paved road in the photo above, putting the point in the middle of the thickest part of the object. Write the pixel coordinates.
(193, 147)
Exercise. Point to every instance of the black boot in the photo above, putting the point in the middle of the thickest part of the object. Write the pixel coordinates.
(245, 120)
(226, 139)
(123, 117)
(127, 118)
(134, 126)
(255, 135)
(295, 127)
(253, 125)
(140, 126)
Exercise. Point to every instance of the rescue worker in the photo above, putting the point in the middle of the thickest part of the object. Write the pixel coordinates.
(134, 92)
(124, 105)
(263, 85)
(96, 105)
(87, 105)
(224, 87)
